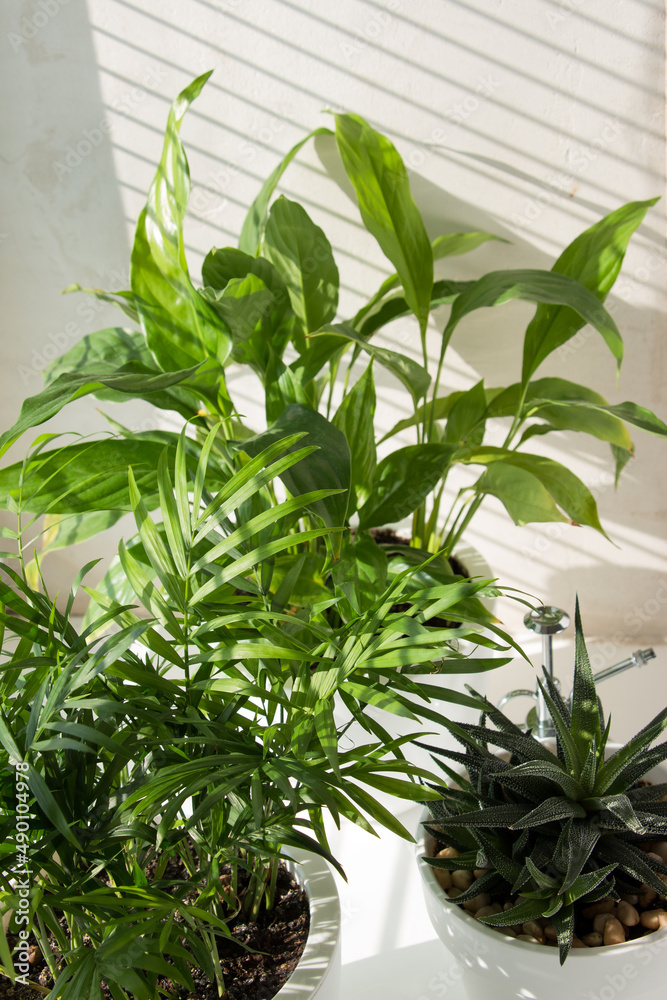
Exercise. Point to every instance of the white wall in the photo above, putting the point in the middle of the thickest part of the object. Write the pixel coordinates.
(531, 118)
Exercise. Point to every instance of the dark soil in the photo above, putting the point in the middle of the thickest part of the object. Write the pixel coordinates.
(280, 936)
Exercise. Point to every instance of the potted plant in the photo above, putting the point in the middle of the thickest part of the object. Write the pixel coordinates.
(559, 846)
(167, 767)
(271, 305)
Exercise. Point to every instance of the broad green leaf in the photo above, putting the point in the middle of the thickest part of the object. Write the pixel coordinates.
(363, 566)
(639, 416)
(498, 287)
(594, 258)
(302, 255)
(181, 327)
(245, 305)
(566, 489)
(521, 493)
(255, 220)
(63, 530)
(69, 386)
(85, 477)
(354, 418)
(466, 423)
(273, 321)
(388, 209)
(105, 351)
(402, 482)
(283, 388)
(453, 244)
(565, 406)
(326, 468)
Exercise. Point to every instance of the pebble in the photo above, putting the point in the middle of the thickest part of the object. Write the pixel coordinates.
(627, 914)
(477, 902)
(654, 919)
(533, 929)
(601, 920)
(462, 879)
(614, 932)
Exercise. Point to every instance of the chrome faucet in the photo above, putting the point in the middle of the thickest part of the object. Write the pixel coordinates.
(549, 621)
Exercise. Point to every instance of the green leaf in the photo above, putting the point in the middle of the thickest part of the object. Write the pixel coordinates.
(611, 774)
(585, 712)
(524, 497)
(50, 401)
(49, 806)
(85, 477)
(387, 208)
(181, 327)
(414, 376)
(104, 352)
(466, 423)
(498, 287)
(551, 810)
(566, 489)
(302, 255)
(444, 292)
(594, 258)
(402, 482)
(255, 220)
(563, 922)
(529, 909)
(363, 566)
(565, 406)
(434, 409)
(326, 730)
(354, 418)
(454, 244)
(326, 468)
(64, 530)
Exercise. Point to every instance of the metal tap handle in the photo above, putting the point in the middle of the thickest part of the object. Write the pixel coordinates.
(636, 659)
(518, 693)
(547, 621)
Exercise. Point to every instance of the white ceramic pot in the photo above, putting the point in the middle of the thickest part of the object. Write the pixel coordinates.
(318, 973)
(503, 968)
